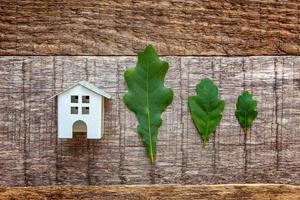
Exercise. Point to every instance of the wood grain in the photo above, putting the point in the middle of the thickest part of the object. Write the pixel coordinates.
(136, 192)
(31, 154)
(91, 27)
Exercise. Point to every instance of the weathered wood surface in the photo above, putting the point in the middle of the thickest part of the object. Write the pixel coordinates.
(31, 154)
(91, 27)
(136, 192)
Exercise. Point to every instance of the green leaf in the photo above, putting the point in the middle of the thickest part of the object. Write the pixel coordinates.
(206, 108)
(245, 109)
(147, 97)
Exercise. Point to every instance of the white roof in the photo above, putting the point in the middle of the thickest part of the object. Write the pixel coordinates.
(88, 86)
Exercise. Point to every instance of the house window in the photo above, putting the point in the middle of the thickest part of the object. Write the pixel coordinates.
(85, 110)
(74, 110)
(74, 99)
(85, 99)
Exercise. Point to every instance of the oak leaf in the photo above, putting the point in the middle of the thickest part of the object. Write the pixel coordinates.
(147, 97)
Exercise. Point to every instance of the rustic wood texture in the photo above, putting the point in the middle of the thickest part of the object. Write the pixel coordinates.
(136, 192)
(31, 154)
(91, 27)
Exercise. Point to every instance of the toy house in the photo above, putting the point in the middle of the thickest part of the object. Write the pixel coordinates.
(80, 108)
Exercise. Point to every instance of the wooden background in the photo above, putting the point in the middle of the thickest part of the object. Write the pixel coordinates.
(46, 46)
(174, 27)
(31, 154)
(155, 192)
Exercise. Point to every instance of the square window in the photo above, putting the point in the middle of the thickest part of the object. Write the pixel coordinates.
(85, 110)
(74, 99)
(85, 99)
(74, 110)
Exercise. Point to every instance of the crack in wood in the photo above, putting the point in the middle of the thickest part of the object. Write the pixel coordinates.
(276, 113)
(25, 156)
(182, 149)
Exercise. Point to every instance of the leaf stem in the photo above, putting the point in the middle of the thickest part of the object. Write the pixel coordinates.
(149, 117)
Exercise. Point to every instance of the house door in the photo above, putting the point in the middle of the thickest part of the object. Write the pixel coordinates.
(79, 127)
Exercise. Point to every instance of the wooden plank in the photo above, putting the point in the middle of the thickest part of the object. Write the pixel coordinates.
(136, 192)
(91, 27)
(31, 154)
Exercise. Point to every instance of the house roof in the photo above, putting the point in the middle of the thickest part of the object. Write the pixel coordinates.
(88, 86)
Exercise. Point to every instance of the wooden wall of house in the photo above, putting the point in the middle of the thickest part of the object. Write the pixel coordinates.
(46, 46)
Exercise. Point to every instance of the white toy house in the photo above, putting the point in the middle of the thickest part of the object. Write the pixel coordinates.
(80, 108)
